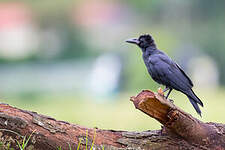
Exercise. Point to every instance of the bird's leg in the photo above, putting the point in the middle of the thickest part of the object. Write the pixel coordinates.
(169, 92)
(166, 89)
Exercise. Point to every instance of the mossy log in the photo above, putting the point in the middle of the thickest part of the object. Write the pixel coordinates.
(180, 130)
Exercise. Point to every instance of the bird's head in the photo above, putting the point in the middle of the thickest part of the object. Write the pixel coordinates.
(144, 41)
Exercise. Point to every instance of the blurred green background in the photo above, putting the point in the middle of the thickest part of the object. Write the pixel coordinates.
(68, 59)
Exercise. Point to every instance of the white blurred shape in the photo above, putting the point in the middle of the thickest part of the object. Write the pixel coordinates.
(105, 74)
(17, 42)
(204, 72)
(17, 34)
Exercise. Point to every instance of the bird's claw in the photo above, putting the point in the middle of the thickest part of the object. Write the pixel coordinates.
(171, 100)
(161, 92)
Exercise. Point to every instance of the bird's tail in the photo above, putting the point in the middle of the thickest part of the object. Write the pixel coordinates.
(195, 101)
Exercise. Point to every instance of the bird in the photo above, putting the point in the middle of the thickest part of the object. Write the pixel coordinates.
(164, 70)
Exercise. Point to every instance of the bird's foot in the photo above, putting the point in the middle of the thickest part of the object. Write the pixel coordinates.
(171, 100)
(160, 91)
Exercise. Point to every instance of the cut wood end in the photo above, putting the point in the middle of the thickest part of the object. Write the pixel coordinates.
(146, 95)
(132, 98)
(152, 104)
(141, 97)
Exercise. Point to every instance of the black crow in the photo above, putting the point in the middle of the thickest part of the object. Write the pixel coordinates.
(165, 71)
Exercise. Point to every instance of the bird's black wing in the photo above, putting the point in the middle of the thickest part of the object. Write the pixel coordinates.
(170, 74)
(185, 74)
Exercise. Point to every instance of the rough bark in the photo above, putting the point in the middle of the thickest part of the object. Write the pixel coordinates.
(180, 130)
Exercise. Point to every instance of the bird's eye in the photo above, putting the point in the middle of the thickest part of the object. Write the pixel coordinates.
(141, 40)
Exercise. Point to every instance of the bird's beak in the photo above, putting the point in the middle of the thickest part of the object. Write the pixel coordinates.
(133, 40)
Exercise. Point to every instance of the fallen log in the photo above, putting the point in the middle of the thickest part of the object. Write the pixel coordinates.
(180, 130)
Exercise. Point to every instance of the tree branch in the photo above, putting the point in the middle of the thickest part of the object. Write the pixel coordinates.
(180, 131)
(176, 121)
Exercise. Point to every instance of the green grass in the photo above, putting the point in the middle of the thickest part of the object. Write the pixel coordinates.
(22, 145)
(25, 141)
(86, 145)
(78, 147)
